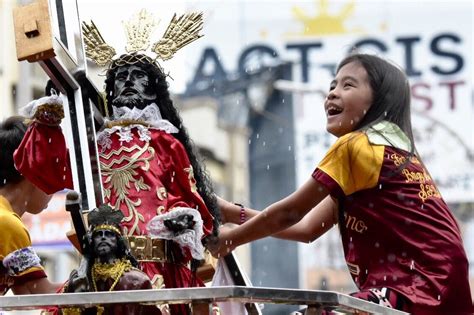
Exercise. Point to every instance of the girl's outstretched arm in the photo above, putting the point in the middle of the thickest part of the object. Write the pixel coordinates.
(36, 286)
(314, 224)
(273, 219)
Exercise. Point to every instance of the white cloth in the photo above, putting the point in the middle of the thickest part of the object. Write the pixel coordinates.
(190, 239)
(388, 134)
(150, 114)
(29, 110)
(222, 277)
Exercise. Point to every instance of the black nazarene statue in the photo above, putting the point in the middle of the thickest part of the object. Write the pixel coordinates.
(109, 266)
(149, 168)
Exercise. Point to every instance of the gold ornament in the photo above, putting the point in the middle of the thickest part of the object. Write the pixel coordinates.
(109, 271)
(138, 30)
(107, 227)
(70, 311)
(96, 47)
(180, 32)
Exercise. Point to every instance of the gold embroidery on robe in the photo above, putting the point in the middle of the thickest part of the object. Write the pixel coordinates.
(161, 193)
(120, 178)
(192, 181)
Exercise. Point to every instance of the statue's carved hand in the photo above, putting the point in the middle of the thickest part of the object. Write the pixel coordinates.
(78, 281)
(180, 223)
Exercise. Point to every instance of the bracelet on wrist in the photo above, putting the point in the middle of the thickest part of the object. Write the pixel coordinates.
(243, 217)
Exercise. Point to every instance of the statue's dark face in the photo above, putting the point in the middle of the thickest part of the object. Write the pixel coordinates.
(105, 244)
(132, 87)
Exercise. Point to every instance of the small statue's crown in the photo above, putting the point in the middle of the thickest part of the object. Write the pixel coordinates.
(105, 218)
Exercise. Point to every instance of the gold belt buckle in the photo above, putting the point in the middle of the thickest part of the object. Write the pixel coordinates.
(145, 248)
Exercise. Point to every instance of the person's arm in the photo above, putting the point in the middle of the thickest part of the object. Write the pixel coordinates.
(314, 224)
(273, 219)
(36, 286)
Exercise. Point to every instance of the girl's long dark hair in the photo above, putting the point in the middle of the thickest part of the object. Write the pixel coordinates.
(390, 101)
(170, 113)
(12, 131)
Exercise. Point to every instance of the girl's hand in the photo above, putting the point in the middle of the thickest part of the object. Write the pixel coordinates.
(222, 245)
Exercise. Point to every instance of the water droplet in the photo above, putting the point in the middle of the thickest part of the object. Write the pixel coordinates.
(289, 148)
(258, 135)
(377, 245)
(412, 265)
(49, 140)
(391, 257)
(264, 143)
(380, 186)
(352, 122)
(283, 101)
(268, 167)
(384, 278)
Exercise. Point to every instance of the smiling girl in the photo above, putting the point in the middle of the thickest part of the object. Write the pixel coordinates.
(401, 243)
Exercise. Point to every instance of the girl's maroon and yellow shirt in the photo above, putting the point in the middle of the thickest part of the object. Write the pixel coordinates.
(398, 232)
(18, 261)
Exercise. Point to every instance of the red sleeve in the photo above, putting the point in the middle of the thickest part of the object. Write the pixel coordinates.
(182, 190)
(43, 158)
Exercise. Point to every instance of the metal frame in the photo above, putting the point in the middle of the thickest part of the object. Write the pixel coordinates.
(316, 301)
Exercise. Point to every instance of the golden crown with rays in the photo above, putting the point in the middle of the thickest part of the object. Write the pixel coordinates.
(181, 31)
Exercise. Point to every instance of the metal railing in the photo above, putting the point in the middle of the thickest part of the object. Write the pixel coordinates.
(315, 301)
